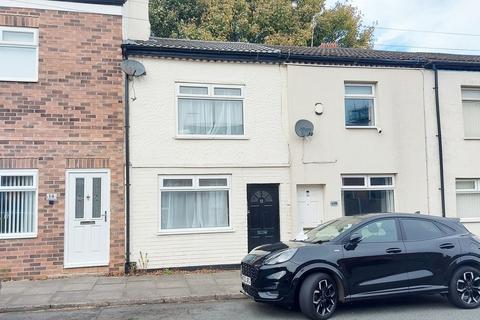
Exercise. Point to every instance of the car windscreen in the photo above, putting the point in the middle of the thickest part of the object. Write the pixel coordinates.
(331, 229)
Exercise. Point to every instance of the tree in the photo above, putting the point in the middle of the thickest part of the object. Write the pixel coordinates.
(261, 21)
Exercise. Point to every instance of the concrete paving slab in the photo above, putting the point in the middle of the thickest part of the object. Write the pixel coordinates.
(202, 280)
(172, 277)
(77, 286)
(101, 296)
(110, 280)
(140, 278)
(227, 274)
(12, 290)
(69, 297)
(16, 284)
(31, 300)
(167, 283)
(226, 281)
(109, 287)
(5, 299)
(174, 292)
(151, 285)
(108, 291)
(43, 288)
(141, 294)
(82, 279)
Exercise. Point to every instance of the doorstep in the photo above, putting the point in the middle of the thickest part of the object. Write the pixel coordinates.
(88, 291)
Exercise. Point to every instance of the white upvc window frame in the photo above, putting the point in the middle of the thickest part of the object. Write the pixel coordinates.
(466, 88)
(372, 96)
(368, 187)
(195, 187)
(367, 179)
(21, 44)
(34, 187)
(475, 190)
(210, 96)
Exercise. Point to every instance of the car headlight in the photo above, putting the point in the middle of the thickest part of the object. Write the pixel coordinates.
(281, 256)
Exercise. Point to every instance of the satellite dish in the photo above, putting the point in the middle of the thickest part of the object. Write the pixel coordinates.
(133, 68)
(304, 128)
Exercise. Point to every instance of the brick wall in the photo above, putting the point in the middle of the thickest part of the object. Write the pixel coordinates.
(71, 118)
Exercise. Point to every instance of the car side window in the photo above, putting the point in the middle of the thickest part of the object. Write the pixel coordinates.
(417, 229)
(384, 230)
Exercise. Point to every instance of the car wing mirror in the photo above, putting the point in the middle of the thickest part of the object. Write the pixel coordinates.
(353, 241)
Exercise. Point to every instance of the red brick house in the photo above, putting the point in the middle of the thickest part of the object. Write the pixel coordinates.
(61, 138)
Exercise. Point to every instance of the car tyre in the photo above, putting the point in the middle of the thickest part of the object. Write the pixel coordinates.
(464, 289)
(318, 297)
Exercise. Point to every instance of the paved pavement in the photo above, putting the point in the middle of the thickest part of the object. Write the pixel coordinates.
(415, 308)
(107, 291)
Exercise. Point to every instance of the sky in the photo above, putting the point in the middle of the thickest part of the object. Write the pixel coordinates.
(441, 16)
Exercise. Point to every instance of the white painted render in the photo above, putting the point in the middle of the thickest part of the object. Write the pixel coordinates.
(136, 24)
(461, 156)
(260, 157)
(333, 150)
(403, 144)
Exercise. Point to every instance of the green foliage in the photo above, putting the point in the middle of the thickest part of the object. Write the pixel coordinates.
(260, 21)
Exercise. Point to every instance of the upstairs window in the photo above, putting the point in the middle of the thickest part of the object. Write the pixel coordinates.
(210, 110)
(18, 203)
(18, 54)
(471, 112)
(359, 105)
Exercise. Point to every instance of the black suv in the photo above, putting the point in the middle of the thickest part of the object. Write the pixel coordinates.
(368, 256)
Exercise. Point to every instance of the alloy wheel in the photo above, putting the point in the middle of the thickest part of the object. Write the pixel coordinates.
(324, 297)
(468, 287)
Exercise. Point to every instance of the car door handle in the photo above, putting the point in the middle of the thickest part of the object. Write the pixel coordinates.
(447, 246)
(393, 250)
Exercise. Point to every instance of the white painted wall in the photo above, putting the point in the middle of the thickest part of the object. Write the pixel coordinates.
(334, 150)
(262, 157)
(275, 98)
(153, 133)
(166, 251)
(461, 156)
(136, 24)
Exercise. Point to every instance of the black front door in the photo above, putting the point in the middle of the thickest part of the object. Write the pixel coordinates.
(263, 214)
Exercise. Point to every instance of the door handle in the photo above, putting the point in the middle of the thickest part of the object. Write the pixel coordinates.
(447, 246)
(105, 215)
(393, 250)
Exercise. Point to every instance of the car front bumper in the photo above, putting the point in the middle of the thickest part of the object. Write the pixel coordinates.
(268, 283)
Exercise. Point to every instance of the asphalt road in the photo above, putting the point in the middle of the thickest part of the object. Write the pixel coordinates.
(421, 308)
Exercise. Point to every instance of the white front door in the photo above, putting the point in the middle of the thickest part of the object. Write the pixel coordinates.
(87, 218)
(310, 205)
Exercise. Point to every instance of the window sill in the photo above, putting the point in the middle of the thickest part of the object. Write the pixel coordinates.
(18, 236)
(471, 138)
(361, 127)
(195, 231)
(195, 137)
(32, 80)
(470, 220)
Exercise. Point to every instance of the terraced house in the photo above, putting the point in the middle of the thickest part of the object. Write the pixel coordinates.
(62, 136)
(218, 166)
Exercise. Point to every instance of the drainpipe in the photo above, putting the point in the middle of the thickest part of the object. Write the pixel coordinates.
(439, 137)
(127, 172)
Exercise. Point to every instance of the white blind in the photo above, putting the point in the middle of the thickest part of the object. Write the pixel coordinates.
(471, 94)
(471, 118)
(468, 205)
(17, 206)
